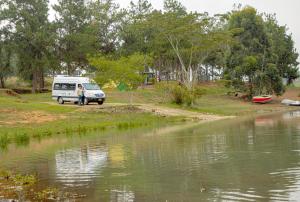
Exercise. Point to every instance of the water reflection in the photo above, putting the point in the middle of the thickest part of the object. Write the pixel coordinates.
(79, 166)
(255, 159)
(291, 115)
(122, 195)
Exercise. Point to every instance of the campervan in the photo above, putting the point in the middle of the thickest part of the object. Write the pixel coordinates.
(64, 89)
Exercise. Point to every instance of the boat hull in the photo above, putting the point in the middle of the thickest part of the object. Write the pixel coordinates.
(262, 99)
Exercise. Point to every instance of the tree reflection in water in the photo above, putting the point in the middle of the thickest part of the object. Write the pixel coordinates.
(122, 195)
(79, 166)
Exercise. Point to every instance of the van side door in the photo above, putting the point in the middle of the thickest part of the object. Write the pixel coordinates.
(73, 90)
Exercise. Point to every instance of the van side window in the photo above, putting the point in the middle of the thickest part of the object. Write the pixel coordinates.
(57, 86)
(72, 86)
(64, 86)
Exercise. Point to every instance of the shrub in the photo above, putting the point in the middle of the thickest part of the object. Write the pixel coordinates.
(181, 95)
(178, 94)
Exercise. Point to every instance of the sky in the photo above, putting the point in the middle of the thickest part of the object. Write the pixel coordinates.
(285, 10)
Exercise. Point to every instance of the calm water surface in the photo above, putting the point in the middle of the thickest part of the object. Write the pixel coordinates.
(253, 159)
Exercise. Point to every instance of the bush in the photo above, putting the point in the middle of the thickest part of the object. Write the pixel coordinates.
(181, 95)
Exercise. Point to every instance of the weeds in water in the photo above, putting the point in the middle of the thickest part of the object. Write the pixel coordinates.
(4, 141)
(5, 174)
(22, 139)
(82, 130)
(122, 126)
(20, 187)
(24, 180)
(130, 125)
(68, 132)
(47, 194)
(37, 136)
(102, 128)
(47, 133)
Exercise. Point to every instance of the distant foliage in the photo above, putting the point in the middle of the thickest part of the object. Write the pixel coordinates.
(127, 70)
(248, 49)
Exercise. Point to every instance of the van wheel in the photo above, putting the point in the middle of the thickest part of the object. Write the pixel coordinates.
(86, 101)
(60, 100)
(100, 102)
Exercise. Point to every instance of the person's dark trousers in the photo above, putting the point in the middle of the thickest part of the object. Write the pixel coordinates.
(80, 100)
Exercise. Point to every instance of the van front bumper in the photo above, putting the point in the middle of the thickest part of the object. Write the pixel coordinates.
(95, 99)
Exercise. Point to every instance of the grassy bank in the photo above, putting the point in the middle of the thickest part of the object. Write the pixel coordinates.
(37, 116)
(215, 100)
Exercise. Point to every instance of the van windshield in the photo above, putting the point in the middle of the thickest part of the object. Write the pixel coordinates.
(91, 86)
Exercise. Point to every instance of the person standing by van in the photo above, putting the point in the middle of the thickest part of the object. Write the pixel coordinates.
(80, 93)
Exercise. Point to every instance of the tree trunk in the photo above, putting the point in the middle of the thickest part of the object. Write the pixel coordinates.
(250, 88)
(34, 81)
(2, 84)
(41, 80)
(69, 69)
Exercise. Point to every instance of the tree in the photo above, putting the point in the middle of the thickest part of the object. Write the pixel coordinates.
(283, 50)
(124, 71)
(32, 36)
(257, 63)
(174, 6)
(6, 56)
(134, 34)
(191, 39)
(75, 36)
(106, 23)
(128, 70)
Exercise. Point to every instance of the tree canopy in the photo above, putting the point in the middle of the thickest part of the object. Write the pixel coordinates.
(263, 55)
(247, 48)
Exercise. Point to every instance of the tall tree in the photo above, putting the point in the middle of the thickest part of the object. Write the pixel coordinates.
(174, 6)
(32, 35)
(75, 36)
(283, 49)
(134, 34)
(263, 55)
(106, 23)
(190, 37)
(6, 56)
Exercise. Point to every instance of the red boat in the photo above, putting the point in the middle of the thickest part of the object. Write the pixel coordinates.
(262, 99)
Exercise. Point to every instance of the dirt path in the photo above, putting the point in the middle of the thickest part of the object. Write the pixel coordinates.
(150, 108)
(167, 111)
(157, 110)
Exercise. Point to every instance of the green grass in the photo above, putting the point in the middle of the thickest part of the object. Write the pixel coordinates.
(141, 95)
(68, 119)
(31, 104)
(213, 101)
(72, 120)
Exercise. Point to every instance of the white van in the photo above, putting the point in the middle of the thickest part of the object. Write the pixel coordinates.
(64, 89)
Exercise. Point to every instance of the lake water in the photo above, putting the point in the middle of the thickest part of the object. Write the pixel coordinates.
(249, 159)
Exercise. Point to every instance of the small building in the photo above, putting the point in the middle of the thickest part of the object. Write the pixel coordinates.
(150, 76)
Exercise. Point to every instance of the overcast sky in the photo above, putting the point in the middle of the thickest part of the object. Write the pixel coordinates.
(286, 10)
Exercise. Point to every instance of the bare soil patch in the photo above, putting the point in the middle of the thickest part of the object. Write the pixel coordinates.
(151, 108)
(167, 111)
(292, 94)
(14, 117)
(8, 92)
